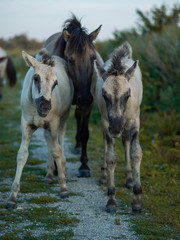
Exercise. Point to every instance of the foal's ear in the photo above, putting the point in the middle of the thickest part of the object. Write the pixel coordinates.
(130, 72)
(95, 33)
(30, 61)
(66, 35)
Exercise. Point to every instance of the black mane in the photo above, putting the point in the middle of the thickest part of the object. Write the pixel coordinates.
(79, 35)
(117, 67)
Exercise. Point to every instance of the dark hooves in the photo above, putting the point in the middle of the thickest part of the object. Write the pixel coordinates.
(83, 174)
(129, 186)
(64, 194)
(111, 206)
(136, 210)
(11, 205)
(137, 206)
(77, 151)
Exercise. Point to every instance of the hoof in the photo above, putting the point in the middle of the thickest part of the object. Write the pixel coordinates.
(84, 173)
(111, 209)
(111, 206)
(77, 151)
(137, 206)
(129, 183)
(11, 205)
(129, 186)
(64, 194)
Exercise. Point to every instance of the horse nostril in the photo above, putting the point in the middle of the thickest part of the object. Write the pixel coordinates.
(41, 105)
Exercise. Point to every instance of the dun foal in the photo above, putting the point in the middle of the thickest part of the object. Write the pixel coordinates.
(119, 95)
(45, 102)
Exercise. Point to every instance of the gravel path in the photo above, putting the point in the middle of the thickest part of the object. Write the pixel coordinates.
(88, 203)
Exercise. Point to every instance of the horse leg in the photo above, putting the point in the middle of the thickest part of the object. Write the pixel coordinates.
(22, 156)
(136, 155)
(84, 170)
(128, 169)
(111, 159)
(58, 157)
(50, 165)
(62, 131)
(78, 147)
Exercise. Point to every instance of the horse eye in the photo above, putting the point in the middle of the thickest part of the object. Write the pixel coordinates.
(70, 61)
(93, 57)
(36, 78)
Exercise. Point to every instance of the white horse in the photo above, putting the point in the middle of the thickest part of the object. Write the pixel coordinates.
(6, 66)
(119, 95)
(45, 102)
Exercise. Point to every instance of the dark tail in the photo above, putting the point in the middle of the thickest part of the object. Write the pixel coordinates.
(11, 72)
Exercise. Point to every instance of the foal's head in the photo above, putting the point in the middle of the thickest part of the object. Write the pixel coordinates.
(44, 81)
(80, 54)
(116, 90)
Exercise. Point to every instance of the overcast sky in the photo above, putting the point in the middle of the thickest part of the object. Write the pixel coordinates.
(41, 18)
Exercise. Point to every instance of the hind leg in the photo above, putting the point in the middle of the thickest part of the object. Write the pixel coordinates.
(22, 156)
(62, 132)
(128, 169)
(58, 157)
(136, 155)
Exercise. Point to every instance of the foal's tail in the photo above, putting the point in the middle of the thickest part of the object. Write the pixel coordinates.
(11, 72)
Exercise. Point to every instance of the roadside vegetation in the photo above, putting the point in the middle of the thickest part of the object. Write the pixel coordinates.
(156, 44)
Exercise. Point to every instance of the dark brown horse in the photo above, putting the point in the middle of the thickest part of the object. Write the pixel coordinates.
(75, 45)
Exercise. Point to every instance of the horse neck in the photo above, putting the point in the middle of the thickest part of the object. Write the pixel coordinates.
(59, 47)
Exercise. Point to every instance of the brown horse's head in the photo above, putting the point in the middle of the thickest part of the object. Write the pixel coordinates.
(80, 53)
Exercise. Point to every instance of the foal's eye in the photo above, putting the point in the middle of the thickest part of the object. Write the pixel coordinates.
(36, 78)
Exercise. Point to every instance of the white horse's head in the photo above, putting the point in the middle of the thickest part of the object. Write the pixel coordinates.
(44, 81)
(116, 89)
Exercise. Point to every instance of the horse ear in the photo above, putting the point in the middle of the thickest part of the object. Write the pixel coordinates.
(66, 35)
(95, 33)
(129, 73)
(30, 61)
(99, 70)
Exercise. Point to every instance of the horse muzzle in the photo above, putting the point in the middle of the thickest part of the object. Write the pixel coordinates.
(43, 106)
(116, 127)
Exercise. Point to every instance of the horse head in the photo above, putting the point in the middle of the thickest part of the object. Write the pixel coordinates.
(80, 53)
(43, 82)
(116, 89)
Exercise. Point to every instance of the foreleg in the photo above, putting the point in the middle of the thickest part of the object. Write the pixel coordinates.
(111, 159)
(22, 156)
(128, 169)
(136, 155)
